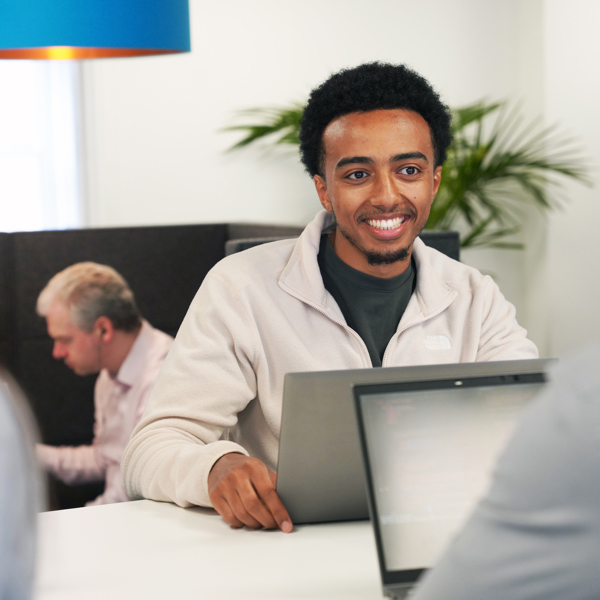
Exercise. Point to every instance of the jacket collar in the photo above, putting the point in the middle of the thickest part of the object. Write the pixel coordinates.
(432, 294)
(135, 362)
(301, 276)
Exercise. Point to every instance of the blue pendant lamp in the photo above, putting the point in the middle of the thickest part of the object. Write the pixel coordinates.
(74, 29)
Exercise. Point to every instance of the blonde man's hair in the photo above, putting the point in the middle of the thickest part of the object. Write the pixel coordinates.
(90, 291)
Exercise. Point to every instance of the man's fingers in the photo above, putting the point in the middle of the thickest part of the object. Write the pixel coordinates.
(282, 518)
(265, 489)
(249, 508)
(228, 503)
(273, 478)
(222, 507)
(242, 490)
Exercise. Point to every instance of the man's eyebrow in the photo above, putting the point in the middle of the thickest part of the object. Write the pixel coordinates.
(352, 160)
(366, 160)
(408, 156)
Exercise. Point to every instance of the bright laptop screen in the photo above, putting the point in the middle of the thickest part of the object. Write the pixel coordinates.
(431, 454)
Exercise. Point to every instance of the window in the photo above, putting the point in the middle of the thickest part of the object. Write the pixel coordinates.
(40, 175)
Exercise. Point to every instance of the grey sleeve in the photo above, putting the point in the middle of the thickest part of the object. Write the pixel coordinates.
(536, 534)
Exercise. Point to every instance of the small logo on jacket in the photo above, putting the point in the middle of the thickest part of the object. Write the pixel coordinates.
(437, 342)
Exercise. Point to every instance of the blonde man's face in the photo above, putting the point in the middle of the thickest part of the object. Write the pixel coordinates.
(80, 350)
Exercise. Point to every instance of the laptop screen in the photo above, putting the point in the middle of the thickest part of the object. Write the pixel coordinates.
(430, 448)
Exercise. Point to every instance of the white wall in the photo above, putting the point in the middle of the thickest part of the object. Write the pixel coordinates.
(570, 309)
(157, 155)
(517, 272)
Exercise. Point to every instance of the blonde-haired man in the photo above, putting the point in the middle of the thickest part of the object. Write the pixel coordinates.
(96, 326)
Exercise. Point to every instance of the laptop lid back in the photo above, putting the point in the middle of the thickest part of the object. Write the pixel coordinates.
(320, 474)
(429, 448)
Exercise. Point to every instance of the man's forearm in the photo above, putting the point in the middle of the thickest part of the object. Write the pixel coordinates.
(71, 464)
(164, 464)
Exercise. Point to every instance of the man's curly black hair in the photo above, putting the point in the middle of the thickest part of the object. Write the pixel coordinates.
(371, 86)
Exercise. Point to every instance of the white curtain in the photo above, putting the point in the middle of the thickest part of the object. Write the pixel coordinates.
(40, 145)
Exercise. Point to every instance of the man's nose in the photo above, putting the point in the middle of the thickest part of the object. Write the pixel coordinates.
(58, 351)
(387, 193)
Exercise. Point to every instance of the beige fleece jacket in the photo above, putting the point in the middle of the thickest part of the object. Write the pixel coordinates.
(265, 312)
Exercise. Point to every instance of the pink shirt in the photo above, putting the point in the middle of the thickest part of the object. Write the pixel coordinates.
(119, 404)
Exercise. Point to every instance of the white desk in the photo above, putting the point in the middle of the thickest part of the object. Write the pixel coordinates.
(150, 550)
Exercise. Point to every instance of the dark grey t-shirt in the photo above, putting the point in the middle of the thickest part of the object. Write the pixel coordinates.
(372, 306)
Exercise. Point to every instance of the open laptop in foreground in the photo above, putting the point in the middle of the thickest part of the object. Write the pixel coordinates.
(320, 471)
(429, 449)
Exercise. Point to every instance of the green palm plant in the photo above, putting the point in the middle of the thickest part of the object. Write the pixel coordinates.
(496, 165)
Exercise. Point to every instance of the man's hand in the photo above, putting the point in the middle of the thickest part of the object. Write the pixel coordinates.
(242, 491)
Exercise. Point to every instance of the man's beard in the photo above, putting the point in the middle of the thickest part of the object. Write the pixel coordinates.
(377, 258)
(386, 258)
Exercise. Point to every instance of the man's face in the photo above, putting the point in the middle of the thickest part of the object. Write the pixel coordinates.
(379, 183)
(80, 350)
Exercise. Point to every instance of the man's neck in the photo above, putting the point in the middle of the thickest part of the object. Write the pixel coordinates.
(118, 349)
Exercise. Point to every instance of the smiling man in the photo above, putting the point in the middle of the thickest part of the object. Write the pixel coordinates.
(95, 324)
(357, 289)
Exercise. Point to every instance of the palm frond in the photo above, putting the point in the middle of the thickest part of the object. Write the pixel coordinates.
(281, 123)
(470, 114)
(488, 177)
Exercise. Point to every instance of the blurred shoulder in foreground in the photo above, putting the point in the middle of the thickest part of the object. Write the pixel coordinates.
(536, 533)
(21, 493)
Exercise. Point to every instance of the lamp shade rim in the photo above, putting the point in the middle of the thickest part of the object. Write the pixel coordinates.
(81, 52)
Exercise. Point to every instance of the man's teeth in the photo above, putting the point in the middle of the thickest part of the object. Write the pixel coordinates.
(386, 223)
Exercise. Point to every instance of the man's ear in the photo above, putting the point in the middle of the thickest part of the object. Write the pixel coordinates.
(104, 329)
(437, 179)
(322, 192)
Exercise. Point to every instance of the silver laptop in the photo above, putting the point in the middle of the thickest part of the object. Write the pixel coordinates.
(320, 474)
(429, 449)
